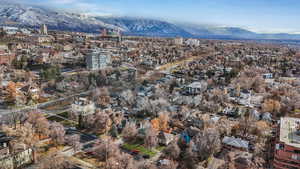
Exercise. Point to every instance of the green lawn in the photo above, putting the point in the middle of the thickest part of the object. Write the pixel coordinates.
(140, 148)
(160, 148)
(55, 118)
(64, 114)
(69, 123)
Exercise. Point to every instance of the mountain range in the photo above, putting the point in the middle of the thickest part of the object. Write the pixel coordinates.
(13, 14)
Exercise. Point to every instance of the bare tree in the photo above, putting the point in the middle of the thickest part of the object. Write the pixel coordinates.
(151, 139)
(54, 161)
(39, 123)
(74, 142)
(26, 135)
(122, 161)
(42, 127)
(172, 151)
(147, 165)
(101, 121)
(128, 97)
(106, 149)
(206, 144)
(272, 106)
(57, 133)
(130, 132)
(34, 117)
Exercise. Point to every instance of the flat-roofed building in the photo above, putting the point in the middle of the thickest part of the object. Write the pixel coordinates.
(98, 59)
(287, 149)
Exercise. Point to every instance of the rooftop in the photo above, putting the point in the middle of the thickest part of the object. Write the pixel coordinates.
(289, 131)
(236, 142)
(195, 85)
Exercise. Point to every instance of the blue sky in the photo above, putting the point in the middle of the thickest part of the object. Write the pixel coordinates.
(256, 15)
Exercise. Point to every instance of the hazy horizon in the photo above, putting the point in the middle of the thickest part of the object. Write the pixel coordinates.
(260, 16)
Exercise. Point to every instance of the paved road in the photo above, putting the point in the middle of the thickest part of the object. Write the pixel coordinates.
(42, 105)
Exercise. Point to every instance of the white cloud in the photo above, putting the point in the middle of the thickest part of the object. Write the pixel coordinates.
(83, 7)
(64, 1)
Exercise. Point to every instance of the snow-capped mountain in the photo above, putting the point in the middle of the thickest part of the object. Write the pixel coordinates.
(33, 16)
(22, 15)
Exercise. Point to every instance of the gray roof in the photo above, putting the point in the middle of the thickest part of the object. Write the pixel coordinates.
(235, 142)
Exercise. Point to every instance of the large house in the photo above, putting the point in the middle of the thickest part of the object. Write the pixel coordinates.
(13, 159)
(195, 88)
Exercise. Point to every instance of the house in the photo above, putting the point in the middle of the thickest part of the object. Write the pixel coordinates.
(68, 47)
(267, 116)
(240, 159)
(268, 76)
(178, 41)
(165, 138)
(31, 89)
(255, 114)
(4, 144)
(83, 106)
(232, 111)
(16, 159)
(235, 143)
(40, 38)
(195, 88)
(287, 149)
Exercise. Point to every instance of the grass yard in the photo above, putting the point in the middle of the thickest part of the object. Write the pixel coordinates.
(55, 118)
(140, 148)
(160, 148)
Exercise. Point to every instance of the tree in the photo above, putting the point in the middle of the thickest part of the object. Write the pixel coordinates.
(57, 133)
(159, 105)
(244, 126)
(39, 123)
(114, 131)
(130, 132)
(161, 123)
(172, 151)
(151, 139)
(147, 165)
(106, 149)
(11, 90)
(128, 97)
(122, 161)
(101, 121)
(50, 73)
(54, 161)
(272, 106)
(206, 144)
(74, 142)
(26, 135)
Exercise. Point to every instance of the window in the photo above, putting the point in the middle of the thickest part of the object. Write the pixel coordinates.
(295, 157)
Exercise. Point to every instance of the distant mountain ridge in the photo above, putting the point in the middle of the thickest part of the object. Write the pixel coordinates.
(34, 16)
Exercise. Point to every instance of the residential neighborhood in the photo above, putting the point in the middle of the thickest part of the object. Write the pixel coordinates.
(106, 100)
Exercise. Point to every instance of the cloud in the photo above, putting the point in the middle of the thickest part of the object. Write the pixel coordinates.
(91, 9)
(64, 1)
